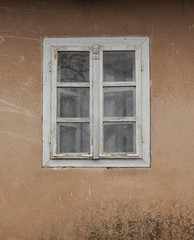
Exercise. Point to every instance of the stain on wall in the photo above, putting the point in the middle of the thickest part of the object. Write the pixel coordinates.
(122, 221)
(73, 204)
(118, 221)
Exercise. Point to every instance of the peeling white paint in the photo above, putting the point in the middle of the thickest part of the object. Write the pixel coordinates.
(175, 50)
(141, 235)
(2, 39)
(89, 191)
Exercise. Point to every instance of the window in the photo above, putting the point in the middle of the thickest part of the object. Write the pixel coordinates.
(96, 102)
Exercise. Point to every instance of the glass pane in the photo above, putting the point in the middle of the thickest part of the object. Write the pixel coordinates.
(73, 137)
(73, 102)
(119, 103)
(119, 66)
(73, 67)
(119, 137)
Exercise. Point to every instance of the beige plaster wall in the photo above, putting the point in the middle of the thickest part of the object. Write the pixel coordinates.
(76, 204)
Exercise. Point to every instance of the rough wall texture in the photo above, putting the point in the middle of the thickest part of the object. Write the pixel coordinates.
(76, 204)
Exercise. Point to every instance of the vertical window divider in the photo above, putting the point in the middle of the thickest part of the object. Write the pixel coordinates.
(91, 115)
(138, 100)
(54, 103)
(95, 96)
(101, 105)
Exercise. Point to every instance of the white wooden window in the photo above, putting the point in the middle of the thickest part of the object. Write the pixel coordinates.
(96, 102)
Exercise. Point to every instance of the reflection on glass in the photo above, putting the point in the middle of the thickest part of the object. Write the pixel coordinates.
(119, 66)
(119, 137)
(73, 102)
(73, 66)
(119, 103)
(73, 137)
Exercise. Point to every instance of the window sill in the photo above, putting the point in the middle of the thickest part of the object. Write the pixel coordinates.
(116, 163)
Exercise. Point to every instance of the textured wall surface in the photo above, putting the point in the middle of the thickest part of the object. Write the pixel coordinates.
(76, 204)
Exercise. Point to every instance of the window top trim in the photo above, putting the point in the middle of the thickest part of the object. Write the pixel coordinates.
(136, 41)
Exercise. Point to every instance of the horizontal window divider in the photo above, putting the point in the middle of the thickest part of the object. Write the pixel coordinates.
(119, 84)
(119, 155)
(72, 120)
(60, 156)
(73, 48)
(73, 84)
(119, 119)
(118, 89)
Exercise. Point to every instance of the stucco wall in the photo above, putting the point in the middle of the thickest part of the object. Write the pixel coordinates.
(75, 204)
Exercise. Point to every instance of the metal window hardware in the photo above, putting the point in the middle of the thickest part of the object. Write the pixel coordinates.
(95, 51)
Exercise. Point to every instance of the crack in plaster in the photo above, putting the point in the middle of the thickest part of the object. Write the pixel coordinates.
(15, 37)
(10, 107)
(34, 10)
(16, 135)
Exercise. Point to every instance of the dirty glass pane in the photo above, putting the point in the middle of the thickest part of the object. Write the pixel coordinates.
(119, 66)
(73, 66)
(73, 137)
(73, 102)
(119, 102)
(119, 137)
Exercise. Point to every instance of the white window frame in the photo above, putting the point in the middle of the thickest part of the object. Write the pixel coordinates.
(96, 46)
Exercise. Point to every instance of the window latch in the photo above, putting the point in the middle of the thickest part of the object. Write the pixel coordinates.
(95, 51)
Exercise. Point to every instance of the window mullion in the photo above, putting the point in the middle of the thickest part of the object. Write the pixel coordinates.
(95, 86)
(54, 104)
(101, 104)
(138, 101)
